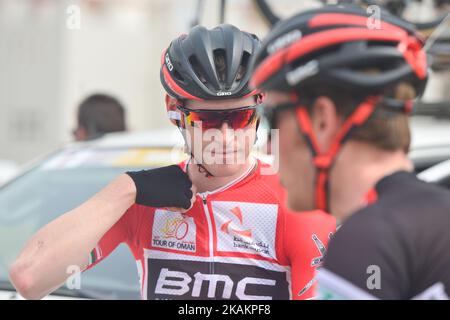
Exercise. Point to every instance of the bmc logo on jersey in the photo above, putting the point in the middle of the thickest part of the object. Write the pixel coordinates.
(173, 231)
(246, 227)
(172, 279)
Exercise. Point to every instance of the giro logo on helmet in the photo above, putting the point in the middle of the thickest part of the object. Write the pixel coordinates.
(223, 93)
(284, 41)
(168, 62)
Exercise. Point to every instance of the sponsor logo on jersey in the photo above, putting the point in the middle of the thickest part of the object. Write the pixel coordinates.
(170, 279)
(321, 248)
(95, 255)
(316, 262)
(246, 227)
(172, 230)
(230, 229)
(175, 228)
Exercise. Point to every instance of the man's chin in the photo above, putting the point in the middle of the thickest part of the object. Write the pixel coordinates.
(223, 170)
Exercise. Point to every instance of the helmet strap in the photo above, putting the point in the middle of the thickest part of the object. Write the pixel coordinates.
(324, 160)
(201, 168)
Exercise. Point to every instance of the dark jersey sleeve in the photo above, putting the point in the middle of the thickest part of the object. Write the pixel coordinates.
(396, 248)
(367, 258)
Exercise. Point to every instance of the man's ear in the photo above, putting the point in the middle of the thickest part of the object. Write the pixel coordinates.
(325, 122)
(260, 97)
(170, 101)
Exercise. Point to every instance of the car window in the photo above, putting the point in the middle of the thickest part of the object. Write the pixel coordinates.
(44, 193)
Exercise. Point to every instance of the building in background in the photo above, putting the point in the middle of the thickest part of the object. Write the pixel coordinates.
(53, 53)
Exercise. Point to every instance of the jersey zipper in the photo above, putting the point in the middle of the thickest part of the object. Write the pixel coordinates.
(204, 196)
(210, 232)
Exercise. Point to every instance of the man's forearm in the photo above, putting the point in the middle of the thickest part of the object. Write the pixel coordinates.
(68, 240)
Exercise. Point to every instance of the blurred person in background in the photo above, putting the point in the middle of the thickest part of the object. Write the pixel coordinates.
(99, 114)
(197, 230)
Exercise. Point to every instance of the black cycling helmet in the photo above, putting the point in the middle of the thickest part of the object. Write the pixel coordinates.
(209, 64)
(335, 46)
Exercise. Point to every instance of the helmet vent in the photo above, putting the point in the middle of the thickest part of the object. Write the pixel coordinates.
(178, 76)
(220, 63)
(198, 70)
(243, 67)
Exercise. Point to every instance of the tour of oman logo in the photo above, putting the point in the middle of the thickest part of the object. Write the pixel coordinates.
(174, 231)
(175, 228)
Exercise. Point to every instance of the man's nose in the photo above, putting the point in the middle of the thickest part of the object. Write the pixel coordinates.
(225, 126)
(227, 132)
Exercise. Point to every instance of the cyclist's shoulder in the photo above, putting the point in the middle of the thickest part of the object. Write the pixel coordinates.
(137, 212)
(311, 219)
(405, 190)
(362, 228)
(310, 228)
(406, 205)
(267, 175)
(370, 227)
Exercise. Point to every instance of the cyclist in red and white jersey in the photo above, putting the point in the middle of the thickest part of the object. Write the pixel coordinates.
(213, 227)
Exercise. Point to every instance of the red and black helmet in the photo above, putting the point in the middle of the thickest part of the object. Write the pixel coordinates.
(209, 64)
(335, 46)
(344, 48)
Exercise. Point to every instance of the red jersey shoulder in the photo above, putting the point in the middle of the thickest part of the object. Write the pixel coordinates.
(310, 228)
(136, 211)
(314, 219)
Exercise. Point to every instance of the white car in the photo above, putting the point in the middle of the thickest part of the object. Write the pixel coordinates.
(430, 141)
(8, 169)
(60, 181)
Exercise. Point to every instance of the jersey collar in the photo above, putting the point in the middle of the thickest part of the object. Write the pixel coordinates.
(252, 171)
